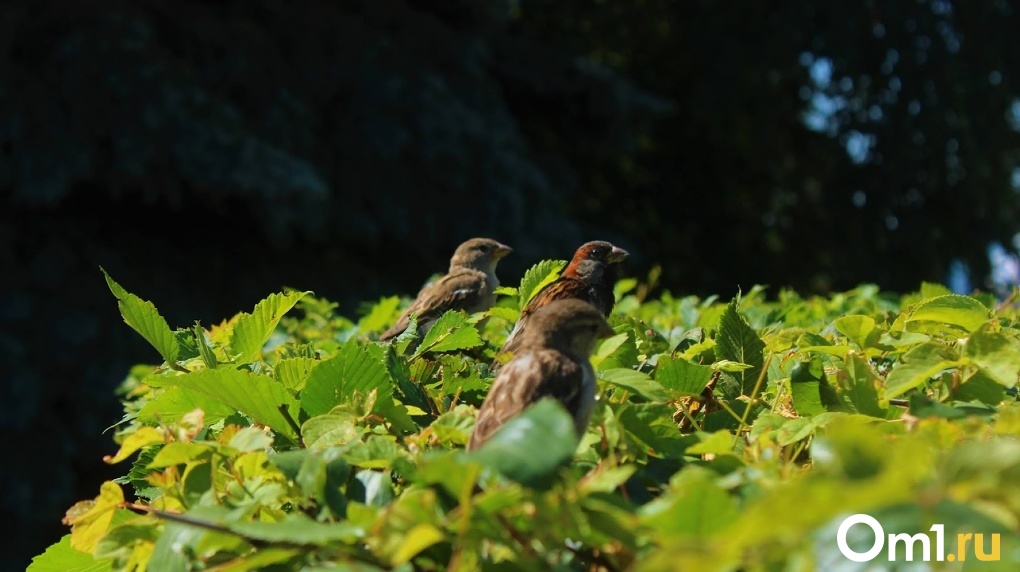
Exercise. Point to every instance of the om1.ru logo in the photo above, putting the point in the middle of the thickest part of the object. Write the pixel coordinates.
(909, 542)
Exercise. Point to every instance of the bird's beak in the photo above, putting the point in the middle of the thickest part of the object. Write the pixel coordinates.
(617, 254)
(502, 250)
(606, 331)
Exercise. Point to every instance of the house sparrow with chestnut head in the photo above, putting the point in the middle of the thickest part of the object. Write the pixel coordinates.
(469, 285)
(552, 360)
(590, 276)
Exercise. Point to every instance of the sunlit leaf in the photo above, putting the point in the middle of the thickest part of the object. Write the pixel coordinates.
(258, 396)
(143, 317)
(963, 311)
(738, 342)
(252, 331)
(536, 277)
(452, 331)
(530, 447)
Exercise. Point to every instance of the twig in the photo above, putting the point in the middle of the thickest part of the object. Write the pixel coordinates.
(290, 421)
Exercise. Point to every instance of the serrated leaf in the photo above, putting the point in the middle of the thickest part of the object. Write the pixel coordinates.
(293, 372)
(353, 368)
(252, 331)
(536, 277)
(682, 377)
(736, 341)
(505, 291)
(963, 311)
(530, 447)
(450, 332)
(143, 318)
(175, 402)
(257, 396)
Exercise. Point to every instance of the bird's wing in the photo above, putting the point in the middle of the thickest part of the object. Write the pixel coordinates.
(530, 376)
(460, 289)
(564, 287)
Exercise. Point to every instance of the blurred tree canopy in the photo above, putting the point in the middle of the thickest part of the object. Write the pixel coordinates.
(208, 153)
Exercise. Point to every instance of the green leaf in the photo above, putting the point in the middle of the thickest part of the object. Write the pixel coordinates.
(531, 447)
(450, 332)
(505, 291)
(60, 557)
(963, 311)
(695, 506)
(653, 427)
(293, 372)
(933, 290)
(324, 431)
(806, 379)
(716, 443)
(917, 366)
(420, 537)
(380, 316)
(257, 396)
(536, 277)
(857, 387)
(635, 382)
(143, 317)
(174, 403)
(682, 377)
(252, 331)
(860, 329)
(354, 368)
(607, 347)
(179, 454)
(997, 354)
(508, 315)
(377, 452)
(737, 341)
(250, 439)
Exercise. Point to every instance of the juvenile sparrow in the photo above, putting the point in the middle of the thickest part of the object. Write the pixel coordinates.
(469, 285)
(552, 360)
(590, 276)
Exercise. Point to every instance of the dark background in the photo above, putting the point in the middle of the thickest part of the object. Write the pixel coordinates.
(209, 153)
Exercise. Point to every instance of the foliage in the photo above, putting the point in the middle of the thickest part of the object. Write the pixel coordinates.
(729, 435)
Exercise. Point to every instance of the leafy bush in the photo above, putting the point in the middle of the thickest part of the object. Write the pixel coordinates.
(729, 435)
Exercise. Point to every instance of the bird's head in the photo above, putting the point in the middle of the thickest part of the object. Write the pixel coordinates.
(479, 254)
(570, 324)
(591, 260)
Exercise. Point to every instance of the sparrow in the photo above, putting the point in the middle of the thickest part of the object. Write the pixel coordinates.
(590, 276)
(469, 285)
(552, 360)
